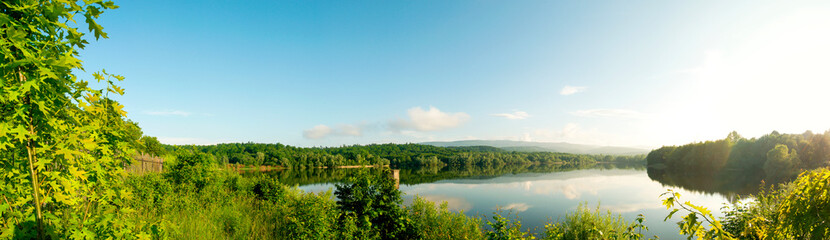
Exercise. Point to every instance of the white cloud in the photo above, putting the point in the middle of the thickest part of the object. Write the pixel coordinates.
(630, 207)
(518, 207)
(317, 132)
(349, 130)
(617, 113)
(569, 90)
(169, 113)
(429, 120)
(323, 131)
(514, 115)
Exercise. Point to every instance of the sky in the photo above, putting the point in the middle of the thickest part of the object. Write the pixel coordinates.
(330, 73)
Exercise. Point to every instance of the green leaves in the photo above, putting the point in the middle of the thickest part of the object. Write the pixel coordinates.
(20, 133)
(61, 142)
(4, 19)
(375, 201)
(4, 207)
(805, 212)
(691, 224)
(670, 214)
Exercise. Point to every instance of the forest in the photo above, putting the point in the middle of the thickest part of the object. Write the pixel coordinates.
(396, 155)
(774, 157)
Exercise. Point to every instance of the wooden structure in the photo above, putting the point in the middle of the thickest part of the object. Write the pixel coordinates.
(396, 174)
(145, 163)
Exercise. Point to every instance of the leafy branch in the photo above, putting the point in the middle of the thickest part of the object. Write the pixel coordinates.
(691, 224)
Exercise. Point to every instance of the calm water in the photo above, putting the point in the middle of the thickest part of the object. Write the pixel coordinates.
(538, 195)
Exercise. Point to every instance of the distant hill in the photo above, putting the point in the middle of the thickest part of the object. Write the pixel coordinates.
(481, 149)
(520, 146)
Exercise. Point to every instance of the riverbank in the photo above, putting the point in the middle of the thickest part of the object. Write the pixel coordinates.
(195, 201)
(240, 167)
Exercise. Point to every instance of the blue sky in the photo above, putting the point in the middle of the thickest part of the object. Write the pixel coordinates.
(328, 73)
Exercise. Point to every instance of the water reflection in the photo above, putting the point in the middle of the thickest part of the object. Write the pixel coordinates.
(425, 175)
(542, 193)
(731, 185)
(453, 203)
(540, 197)
(518, 207)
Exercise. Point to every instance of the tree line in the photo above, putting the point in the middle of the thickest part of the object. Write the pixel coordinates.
(777, 157)
(398, 155)
(419, 175)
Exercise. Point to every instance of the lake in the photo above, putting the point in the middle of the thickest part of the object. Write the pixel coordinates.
(540, 193)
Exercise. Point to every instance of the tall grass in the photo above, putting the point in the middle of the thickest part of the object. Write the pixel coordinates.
(441, 223)
(586, 223)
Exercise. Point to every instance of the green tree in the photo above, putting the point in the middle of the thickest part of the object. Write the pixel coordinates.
(692, 223)
(192, 168)
(374, 202)
(62, 143)
(781, 163)
(152, 146)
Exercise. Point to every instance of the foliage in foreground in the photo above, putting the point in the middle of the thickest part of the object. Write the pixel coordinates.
(594, 224)
(798, 210)
(374, 202)
(62, 143)
(692, 223)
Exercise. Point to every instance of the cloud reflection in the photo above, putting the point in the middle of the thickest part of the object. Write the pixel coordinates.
(632, 207)
(518, 207)
(453, 203)
(526, 185)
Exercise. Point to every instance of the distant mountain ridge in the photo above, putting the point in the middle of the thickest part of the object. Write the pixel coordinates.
(521, 146)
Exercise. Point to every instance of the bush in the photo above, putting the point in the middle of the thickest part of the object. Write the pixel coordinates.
(150, 188)
(268, 189)
(375, 202)
(588, 224)
(195, 169)
(798, 210)
(750, 220)
(432, 222)
(505, 228)
(805, 212)
(306, 216)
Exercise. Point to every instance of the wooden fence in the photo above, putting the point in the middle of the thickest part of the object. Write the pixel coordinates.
(145, 163)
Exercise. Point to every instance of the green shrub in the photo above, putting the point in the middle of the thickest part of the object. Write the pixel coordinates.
(585, 223)
(268, 189)
(307, 216)
(506, 228)
(431, 222)
(750, 220)
(150, 188)
(194, 169)
(236, 183)
(804, 212)
(797, 210)
(375, 202)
